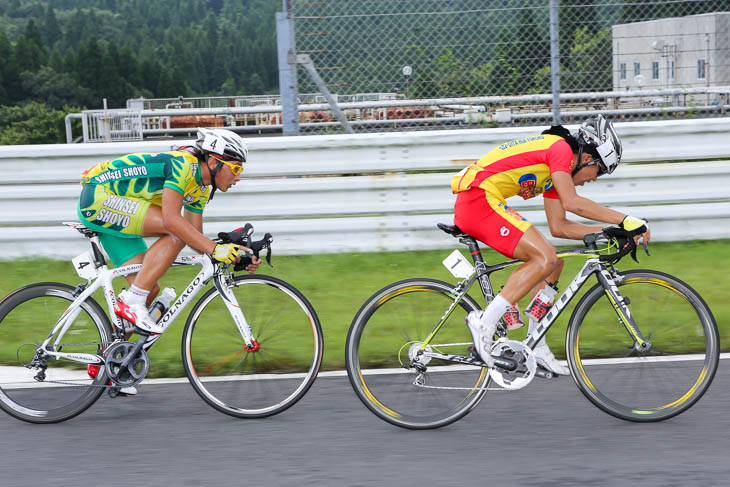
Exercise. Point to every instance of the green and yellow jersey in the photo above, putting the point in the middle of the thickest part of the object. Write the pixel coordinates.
(117, 193)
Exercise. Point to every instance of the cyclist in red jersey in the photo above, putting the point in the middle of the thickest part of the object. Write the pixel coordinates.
(551, 164)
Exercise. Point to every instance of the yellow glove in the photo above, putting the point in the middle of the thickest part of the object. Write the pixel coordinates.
(631, 223)
(225, 253)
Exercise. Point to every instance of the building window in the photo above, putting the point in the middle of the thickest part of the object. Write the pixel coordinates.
(622, 70)
(655, 70)
(637, 69)
(671, 70)
(700, 69)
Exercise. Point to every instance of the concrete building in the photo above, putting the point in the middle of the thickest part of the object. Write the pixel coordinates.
(682, 52)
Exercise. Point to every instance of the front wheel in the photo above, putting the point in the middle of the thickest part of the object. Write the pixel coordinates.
(383, 362)
(42, 389)
(253, 384)
(661, 381)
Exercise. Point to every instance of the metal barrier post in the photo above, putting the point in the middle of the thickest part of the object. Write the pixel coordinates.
(287, 71)
(555, 60)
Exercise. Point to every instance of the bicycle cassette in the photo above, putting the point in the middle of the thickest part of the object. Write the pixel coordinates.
(133, 372)
(526, 364)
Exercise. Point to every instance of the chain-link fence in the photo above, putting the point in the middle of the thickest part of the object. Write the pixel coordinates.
(415, 64)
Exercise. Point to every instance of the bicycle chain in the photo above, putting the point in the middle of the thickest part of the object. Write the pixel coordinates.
(424, 386)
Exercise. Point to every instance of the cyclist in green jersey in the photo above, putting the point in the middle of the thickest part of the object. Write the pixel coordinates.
(143, 195)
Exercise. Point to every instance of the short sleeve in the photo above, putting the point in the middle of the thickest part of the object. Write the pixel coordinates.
(559, 157)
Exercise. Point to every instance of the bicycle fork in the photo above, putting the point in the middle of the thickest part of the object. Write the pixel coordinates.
(620, 306)
(251, 344)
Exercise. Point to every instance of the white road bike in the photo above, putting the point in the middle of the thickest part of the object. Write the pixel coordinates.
(251, 347)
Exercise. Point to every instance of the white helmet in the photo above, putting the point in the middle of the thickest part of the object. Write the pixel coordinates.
(598, 133)
(222, 142)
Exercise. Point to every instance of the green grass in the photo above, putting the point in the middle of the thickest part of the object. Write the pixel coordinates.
(338, 284)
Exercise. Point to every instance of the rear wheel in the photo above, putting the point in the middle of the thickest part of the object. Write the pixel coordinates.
(27, 316)
(650, 385)
(383, 341)
(253, 384)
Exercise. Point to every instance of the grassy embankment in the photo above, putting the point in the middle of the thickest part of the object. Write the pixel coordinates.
(338, 284)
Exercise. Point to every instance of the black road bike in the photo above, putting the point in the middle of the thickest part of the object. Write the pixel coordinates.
(641, 345)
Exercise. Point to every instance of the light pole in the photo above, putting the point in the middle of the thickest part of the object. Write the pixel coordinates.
(407, 71)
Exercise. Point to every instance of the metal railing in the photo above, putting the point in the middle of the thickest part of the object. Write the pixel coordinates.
(371, 192)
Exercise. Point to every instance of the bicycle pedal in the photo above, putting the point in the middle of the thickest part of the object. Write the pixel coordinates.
(545, 374)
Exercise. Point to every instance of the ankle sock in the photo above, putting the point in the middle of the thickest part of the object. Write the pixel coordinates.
(134, 295)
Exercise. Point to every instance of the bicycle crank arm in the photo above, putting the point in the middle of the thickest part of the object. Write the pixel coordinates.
(501, 362)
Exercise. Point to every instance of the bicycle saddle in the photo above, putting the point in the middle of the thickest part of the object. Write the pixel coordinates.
(453, 230)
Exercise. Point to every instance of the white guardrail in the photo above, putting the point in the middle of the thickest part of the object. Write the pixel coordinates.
(378, 192)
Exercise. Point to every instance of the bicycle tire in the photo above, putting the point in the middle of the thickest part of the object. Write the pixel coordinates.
(253, 384)
(650, 386)
(27, 316)
(386, 327)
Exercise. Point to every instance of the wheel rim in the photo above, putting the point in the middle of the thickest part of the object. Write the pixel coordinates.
(659, 383)
(68, 389)
(385, 336)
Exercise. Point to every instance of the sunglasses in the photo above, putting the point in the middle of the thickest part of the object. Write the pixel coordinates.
(236, 169)
(601, 167)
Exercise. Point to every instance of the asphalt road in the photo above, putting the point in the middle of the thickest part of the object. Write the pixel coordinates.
(546, 434)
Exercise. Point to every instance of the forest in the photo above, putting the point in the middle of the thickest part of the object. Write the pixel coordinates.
(66, 55)
(63, 56)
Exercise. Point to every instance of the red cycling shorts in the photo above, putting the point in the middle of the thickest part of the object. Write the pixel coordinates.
(487, 218)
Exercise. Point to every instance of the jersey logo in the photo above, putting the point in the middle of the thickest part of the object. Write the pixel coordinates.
(527, 183)
(504, 231)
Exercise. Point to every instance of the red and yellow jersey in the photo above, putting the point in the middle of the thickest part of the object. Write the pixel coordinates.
(518, 167)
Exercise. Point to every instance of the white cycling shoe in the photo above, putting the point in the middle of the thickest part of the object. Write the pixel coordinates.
(547, 360)
(139, 316)
(482, 334)
(128, 391)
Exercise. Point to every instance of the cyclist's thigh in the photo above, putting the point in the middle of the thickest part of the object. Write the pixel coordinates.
(489, 219)
(533, 244)
(154, 224)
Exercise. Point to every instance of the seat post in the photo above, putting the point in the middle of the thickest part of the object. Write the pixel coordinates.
(476, 253)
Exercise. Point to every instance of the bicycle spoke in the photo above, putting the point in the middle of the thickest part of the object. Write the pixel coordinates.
(662, 381)
(253, 383)
(386, 329)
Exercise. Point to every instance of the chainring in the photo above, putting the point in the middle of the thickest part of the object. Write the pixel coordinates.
(520, 353)
(131, 374)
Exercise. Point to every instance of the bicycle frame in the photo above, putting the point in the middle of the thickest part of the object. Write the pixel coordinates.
(102, 277)
(593, 265)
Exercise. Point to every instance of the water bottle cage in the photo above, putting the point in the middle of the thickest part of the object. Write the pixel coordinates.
(538, 310)
(512, 318)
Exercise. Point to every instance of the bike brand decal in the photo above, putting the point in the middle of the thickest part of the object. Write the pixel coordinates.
(561, 303)
(181, 300)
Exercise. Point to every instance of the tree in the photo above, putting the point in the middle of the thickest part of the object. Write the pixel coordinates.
(33, 123)
(590, 61)
(51, 30)
(54, 89)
